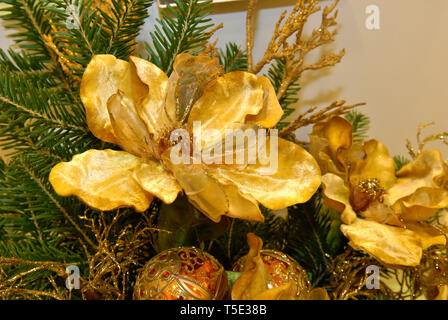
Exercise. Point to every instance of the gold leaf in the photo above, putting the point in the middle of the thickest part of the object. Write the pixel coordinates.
(295, 180)
(225, 104)
(376, 164)
(390, 245)
(102, 179)
(329, 143)
(427, 170)
(337, 196)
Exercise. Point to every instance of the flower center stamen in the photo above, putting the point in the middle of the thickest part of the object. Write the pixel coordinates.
(372, 187)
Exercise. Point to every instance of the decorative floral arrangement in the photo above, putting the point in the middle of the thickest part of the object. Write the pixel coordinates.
(125, 166)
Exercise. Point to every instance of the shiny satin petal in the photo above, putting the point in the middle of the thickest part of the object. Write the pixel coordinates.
(241, 206)
(337, 196)
(382, 213)
(272, 112)
(225, 104)
(377, 164)
(204, 192)
(389, 245)
(252, 284)
(153, 178)
(211, 197)
(427, 170)
(428, 235)
(442, 293)
(422, 204)
(295, 179)
(150, 102)
(102, 179)
(103, 77)
(187, 81)
(130, 131)
(317, 294)
(253, 279)
(329, 142)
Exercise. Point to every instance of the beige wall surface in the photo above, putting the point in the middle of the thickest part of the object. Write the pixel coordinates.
(399, 70)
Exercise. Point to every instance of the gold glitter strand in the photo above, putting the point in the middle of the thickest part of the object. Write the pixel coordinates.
(309, 117)
(250, 17)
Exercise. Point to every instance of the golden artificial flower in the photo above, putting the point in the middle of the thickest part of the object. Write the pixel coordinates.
(137, 106)
(383, 211)
(252, 284)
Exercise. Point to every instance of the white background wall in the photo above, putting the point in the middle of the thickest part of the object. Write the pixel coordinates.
(399, 70)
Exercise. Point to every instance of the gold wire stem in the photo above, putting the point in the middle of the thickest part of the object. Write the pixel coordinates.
(250, 17)
(310, 117)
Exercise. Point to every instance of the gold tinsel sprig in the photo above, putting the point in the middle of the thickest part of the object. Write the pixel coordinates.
(442, 137)
(294, 53)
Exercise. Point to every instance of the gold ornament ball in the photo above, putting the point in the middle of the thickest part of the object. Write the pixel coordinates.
(184, 273)
(280, 269)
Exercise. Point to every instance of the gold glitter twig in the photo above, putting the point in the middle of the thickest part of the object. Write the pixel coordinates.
(250, 31)
(310, 117)
(294, 53)
(442, 136)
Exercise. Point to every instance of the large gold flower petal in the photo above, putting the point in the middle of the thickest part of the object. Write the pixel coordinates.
(225, 104)
(442, 293)
(153, 178)
(211, 197)
(186, 83)
(422, 204)
(272, 112)
(390, 245)
(329, 143)
(382, 213)
(428, 235)
(295, 179)
(337, 196)
(130, 131)
(241, 206)
(141, 84)
(101, 178)
(252, 284)
(427, 170)
(150, 102)
(377, 164)
(102, 78)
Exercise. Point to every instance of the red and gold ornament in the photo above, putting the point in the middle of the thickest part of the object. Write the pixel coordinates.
(280, 269)
(184, 273)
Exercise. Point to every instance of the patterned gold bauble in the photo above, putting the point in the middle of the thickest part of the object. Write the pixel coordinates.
(184, 273)
(281, 269)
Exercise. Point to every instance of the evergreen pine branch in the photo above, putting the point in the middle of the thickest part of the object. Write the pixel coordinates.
(360, 123)
(314, 238)
(124, 26)
(183, 28)
(30, 21)
(310, 235)
(27, 196)
(32, 227)
(95, 31)
(36, 118)
(276, 74)
(84, 37)
(233, 58)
